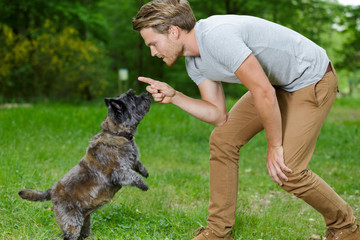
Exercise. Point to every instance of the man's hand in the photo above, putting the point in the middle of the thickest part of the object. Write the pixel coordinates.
(275, 164)
(161, 92)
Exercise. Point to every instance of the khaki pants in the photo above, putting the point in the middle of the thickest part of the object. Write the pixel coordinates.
(303, 113)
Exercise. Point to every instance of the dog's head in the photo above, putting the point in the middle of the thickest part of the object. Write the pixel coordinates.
(126, 111)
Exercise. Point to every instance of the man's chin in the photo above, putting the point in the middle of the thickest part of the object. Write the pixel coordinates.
(170, 63)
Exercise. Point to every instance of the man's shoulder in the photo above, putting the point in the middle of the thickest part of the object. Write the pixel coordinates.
(228, 19)
(225, 24)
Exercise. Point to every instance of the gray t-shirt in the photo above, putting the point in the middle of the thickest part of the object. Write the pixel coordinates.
(289, 60)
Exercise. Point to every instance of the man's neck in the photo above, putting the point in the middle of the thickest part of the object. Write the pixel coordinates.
(191, 48)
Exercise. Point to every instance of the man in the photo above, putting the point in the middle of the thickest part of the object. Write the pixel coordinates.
(292, 85)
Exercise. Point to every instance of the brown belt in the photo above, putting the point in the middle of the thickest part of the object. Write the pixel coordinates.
(329, 68)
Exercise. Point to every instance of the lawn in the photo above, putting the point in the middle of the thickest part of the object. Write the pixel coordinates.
(40, 143)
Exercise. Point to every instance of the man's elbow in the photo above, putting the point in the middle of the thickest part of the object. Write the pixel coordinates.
(221, 120)
(265, 95)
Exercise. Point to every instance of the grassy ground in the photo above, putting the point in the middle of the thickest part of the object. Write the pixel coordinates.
(39, 144)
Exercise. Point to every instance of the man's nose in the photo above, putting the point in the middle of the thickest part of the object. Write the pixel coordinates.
(153, 51)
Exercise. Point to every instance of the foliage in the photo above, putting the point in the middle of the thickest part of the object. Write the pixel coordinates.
(50, 64)
(22, 15)
(351, 48)
(348, 49)
(39, 144)
(106, 25)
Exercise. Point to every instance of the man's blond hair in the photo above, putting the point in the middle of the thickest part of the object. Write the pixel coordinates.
(161, 14)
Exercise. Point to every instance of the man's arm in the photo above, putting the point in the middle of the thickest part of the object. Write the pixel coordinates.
(253, 77)
(211, 108)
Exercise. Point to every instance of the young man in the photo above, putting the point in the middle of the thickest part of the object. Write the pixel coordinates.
(292, 85)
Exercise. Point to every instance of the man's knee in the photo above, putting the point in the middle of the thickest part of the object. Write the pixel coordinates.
(298, 182)
(216, 137)
(222, 145)
(221, 138)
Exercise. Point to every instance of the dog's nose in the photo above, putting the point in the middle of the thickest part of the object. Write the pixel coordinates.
(146, 95)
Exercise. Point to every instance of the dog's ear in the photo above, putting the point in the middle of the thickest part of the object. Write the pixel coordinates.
(130, 92)
(107, 101)
(114, 104)
(119, 106)
(118, 110)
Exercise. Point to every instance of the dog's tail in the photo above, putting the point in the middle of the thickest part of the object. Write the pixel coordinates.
(33, 195)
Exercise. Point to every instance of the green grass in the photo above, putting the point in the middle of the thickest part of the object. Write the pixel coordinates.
(38, 145)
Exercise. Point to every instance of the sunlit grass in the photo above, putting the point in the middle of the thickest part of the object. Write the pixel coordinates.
(38, 145)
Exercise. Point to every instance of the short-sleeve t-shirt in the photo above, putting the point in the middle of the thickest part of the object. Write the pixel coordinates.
(290, 60)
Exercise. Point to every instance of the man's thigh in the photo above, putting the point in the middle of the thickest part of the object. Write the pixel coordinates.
(303, 113)
(242, 124)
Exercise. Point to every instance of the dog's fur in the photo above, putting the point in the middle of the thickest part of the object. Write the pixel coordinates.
(111, 162)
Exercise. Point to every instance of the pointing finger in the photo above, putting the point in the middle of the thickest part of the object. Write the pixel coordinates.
(147, 80)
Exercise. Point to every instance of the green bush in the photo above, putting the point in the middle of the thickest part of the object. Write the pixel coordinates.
(50, 63)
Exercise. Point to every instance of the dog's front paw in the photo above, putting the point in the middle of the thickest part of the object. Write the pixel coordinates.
(144, 173)
(143, 187)
(141, 169)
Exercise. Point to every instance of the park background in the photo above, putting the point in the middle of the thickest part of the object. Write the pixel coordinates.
(73, 50)
(59, 59)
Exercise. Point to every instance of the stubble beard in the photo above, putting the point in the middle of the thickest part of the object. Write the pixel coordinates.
(177, 54)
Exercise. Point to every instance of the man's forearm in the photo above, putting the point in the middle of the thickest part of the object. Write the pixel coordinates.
(269, 112)
(200, 109)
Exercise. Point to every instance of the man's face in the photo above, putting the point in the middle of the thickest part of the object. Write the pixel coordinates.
(162, 46)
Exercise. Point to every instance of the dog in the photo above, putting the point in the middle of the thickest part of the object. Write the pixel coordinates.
(111, 162)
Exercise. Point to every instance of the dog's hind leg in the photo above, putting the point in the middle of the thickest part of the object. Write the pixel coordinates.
(69, 220)
(71, 232)
(85, 230)
(140, 168)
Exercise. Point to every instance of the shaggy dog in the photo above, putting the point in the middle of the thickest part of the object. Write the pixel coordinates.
(111, 162)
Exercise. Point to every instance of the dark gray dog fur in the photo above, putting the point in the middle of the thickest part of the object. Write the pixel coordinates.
(111, 162)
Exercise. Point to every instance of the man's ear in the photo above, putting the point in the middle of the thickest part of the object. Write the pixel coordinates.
(174, 32)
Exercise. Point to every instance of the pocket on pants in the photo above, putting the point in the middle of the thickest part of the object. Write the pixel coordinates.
(324, 88)
(321, 91)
